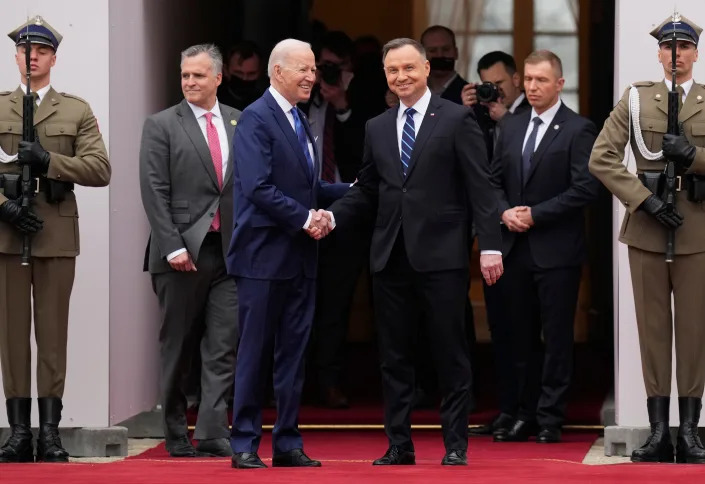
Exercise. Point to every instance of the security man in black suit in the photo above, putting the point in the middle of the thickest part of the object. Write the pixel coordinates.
(542, 183)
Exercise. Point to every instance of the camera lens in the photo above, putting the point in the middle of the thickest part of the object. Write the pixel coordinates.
(487, 92)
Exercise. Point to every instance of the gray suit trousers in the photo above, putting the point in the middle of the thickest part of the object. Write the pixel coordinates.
(192, 303)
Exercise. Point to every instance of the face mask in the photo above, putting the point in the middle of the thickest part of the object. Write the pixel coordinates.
(442, 64)
(241, 85)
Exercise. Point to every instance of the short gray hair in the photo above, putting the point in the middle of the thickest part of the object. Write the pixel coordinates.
(401, 42)
(282, 50)
(211, 50)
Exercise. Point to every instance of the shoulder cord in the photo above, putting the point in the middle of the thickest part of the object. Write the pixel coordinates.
(634, 110)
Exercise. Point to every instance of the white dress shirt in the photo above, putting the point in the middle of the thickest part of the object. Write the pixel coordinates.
(546, 118)
(41, 93)
(686, 86)
(516, 103)
(217, 119)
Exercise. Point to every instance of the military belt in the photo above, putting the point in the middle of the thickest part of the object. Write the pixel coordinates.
(691, 183)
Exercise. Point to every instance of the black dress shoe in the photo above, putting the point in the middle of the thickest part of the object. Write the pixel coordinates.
(246, 460)
(520, 432)
(455, 458)
(294, 458)
(215, 447)
(396, 456)
(501, 423)
(182, 447)
(549, 435)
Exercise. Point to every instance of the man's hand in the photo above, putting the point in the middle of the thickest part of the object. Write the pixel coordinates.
(678, 149)
(32, 152)
(183, 263)
(320, 224)
(491, 267)
(656, 207)
(335, 95)
(524, 216)
(514, 223)
(28, 223)
(469, 94)
(496, 109)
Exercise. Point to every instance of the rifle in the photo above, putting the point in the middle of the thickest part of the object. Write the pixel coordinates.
(674, 129)
(28, 134)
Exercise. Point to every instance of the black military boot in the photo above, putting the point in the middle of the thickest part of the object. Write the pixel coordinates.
(49, 448)
(18, 447)
(658, 447)
(689, 448)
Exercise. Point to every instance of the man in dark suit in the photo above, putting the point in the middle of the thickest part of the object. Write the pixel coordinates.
(421, 162)
(542, 183)
(273, 255)
(187, 191)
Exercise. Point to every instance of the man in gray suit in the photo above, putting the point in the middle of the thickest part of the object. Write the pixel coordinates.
(187, 192)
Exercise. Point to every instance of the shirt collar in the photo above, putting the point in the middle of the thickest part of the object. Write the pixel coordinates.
(517, 102)
(281, 100)
(199, 111)
(40, 93)
(449, 81)
(686, 85)
(548, 115)
(420, 107)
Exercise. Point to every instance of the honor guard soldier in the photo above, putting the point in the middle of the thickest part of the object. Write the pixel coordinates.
(641, 121)
(64, 148)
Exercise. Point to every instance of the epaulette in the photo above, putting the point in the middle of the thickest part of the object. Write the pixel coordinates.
(5, 93)
(643, 84)
(65, 94)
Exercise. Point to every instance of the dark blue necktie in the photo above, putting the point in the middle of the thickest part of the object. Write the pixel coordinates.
(408, 136)
(529, 149)
(301, 135)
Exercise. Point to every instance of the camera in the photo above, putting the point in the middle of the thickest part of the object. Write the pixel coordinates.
(330, 73)
(487, 92)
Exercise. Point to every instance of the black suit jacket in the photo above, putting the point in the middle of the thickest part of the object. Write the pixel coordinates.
(558, 186)
(448, 164)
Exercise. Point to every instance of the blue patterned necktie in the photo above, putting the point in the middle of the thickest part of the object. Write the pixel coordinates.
(301, 135)
(529, 149)
(408, 136)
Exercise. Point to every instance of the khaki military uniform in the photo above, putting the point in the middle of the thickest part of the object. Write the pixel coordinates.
(67, 129)
(653, 279)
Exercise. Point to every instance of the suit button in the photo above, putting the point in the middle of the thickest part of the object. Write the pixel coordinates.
(403, 190)
(400, 217)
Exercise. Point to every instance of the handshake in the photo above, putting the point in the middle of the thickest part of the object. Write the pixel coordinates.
(320, 225)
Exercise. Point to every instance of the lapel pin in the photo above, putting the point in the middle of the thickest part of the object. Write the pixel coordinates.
(432, 114)
(233, 122)
(555, 126)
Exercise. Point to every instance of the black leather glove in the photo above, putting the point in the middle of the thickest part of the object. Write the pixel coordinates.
(656, 207)
(11, 212)
(32, 152)
(678, 149)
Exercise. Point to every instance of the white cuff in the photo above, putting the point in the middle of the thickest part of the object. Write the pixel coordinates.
(308, 220)
(490, 252)
(332, 219)
(174, 254)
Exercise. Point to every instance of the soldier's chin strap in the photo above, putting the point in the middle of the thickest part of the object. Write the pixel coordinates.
(634, 120)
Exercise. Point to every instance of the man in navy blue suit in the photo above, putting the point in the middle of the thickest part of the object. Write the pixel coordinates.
(273, 254)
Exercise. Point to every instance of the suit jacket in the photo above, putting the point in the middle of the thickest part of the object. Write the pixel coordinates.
(179, 187)
(274, 189)
(448, 164)
(639, 229)
(557, 189)
(67, 129)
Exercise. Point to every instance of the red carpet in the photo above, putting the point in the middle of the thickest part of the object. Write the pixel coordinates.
(346, 459)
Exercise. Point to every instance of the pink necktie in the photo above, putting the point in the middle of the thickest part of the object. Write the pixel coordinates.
(217, 157)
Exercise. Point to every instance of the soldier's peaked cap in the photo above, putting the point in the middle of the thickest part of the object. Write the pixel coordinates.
(685, 29)
(39, 32)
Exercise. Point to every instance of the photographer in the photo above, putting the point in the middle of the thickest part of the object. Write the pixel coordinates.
(500, 91)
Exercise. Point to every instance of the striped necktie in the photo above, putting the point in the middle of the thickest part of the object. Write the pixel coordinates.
(408, 136)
